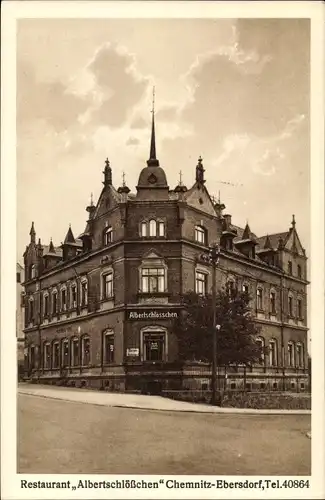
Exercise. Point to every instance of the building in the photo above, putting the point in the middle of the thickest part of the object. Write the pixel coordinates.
(20, 318)
(100, 308)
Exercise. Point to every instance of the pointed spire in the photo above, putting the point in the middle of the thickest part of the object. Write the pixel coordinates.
(107, 173)
(247, 233)
(91, 200)
(32, 234)
(39, 243)
(153, 162)
(69, 237)
(199, 177)
(124, 188)
(51, 247)
(267, 243)
(293, 223)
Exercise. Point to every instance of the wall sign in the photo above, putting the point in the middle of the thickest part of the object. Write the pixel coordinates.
(132, 351)
(152, 314)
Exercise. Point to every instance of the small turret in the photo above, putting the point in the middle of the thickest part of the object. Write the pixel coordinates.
(247, 243)
(32, 234)
(69, 246)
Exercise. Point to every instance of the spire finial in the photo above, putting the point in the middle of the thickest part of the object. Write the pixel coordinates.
(200, 171)
(180, 178)
(219, 199)
(107, 173)
(107, 163)
(153, 162)
(123, 178)
(293, 223)
(32, 234)
(91, 200)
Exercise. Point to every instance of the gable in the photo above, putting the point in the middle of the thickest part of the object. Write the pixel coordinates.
(198, 197)
(293, 243)
(108, 199)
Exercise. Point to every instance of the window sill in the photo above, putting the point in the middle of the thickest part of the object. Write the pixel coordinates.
(107, 299)
(153, 294)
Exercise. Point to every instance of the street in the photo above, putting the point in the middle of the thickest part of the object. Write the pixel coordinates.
(58, 436)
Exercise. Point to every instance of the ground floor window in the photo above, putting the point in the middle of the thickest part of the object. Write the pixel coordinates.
(47, 356)
(299, 358)
(154, 347)
(85, 351)
(75, 352)
(56, 355)
(201, 280)
(32, 357)
(273, 353)
(290, 354)
(65, 353)
(108, 347)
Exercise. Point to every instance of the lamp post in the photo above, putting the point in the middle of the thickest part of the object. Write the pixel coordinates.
(213, 258)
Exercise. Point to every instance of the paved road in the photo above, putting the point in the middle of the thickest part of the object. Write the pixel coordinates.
(57, 436)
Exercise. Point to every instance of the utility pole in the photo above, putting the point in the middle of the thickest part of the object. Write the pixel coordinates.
(213, 258)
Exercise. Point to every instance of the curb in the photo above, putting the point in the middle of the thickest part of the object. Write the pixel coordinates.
(221, 411)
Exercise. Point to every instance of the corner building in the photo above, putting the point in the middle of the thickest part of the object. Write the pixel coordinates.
(100, 309)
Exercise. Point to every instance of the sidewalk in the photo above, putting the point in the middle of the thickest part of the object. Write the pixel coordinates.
(137, 401)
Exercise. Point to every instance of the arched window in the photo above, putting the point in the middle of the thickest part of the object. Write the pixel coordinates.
(75, 353)
(272, 302)
(143, 228)
(63, 298)
(299, 355)
(46, 309)
(56, 355)
(85, 350)
(273, 352)
(291, 354)
(84, 292)
(299, 274)
(161, 228)
(261, 343)
(65, 353)
(299, 308)
(108, 346)
(54, 302)
(259, 298)
(33, 271)
(152, 228)
(46, 356)
(108, 236)
(73, 296)
(290, 305)
(200, 235)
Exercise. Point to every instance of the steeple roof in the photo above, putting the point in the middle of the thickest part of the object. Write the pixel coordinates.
(153, 162)
(69, 237)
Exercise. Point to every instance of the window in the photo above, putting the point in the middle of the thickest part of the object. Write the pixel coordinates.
(18, 277)
(54, 302)
(84, 293)
(47, 356)
(31, 310)
(201, 283)
(273, 354)
(261, 343)
(108, 347)
(33, 271)
(299, 271)
(143, 229)
(32, 357)
(85, 351)
(75, 352)
(154, 346)
(153, 280)
(200, 234)
(291, 359)
(64, 299)
(272, 302)
(290, 267)
(161, 228)
(290, 305)
(108, 236)
(245, 289)
(299, 308)
(259, 295)
(231, 287)
(56, 355)
(73, 296)
(46, 305)
(108, 285)
(65, 353)
(299, 359)
(152, 228)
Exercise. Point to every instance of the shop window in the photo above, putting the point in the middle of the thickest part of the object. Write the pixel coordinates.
(273, 353)
(108, 346)
(107, 285)
(75, 360)
(56, 355)
(153, 280)
(47, 356)
(154, 346)
(201, 282)
(200, 235)
(85, 351)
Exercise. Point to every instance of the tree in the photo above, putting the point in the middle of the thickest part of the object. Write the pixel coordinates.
(236, 339)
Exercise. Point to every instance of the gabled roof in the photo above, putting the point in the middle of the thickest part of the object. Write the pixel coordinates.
(274, 239)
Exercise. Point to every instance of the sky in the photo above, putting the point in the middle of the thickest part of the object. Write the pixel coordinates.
(235, 91)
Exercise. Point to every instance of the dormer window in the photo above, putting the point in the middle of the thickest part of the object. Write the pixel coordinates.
(200, 235)
(108, 236)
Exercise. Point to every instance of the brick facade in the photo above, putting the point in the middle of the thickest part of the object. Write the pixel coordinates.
(100, 277)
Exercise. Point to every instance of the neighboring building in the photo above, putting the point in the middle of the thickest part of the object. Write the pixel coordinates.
(100, 308)
(20, 318)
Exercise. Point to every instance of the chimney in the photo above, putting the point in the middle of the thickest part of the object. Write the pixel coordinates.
(227, 219)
